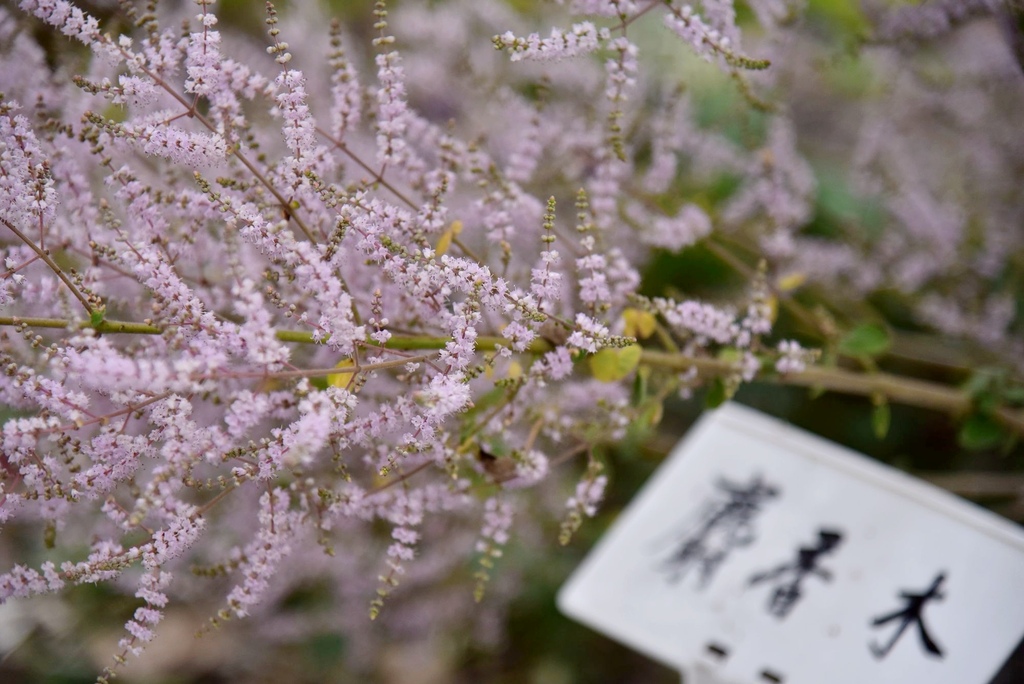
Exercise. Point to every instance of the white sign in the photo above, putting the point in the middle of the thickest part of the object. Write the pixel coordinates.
(759, 553)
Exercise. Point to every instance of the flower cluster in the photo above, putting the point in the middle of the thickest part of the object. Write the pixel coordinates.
(268, 324)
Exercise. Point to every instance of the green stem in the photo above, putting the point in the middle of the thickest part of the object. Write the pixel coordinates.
(404, 342)
(104, 326)
(895, 388)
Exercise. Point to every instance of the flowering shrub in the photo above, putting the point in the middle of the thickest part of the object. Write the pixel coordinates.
(339, 312)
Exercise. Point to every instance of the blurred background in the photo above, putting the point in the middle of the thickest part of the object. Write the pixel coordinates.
(67, 640)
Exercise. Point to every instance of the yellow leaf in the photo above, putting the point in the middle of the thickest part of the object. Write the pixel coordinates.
(445, 241)
(791, 281)
(729, 354)
(639, 324)
(514, 369)
(268, 385)
(610, 365)
(342, 380)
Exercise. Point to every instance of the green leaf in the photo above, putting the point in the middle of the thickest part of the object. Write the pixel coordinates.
(840, 16)
(980, 432)
(730, 354)
(50, 535)
(639, 393)
(96, 317)
(868, 339)
(613, 364)
(1014, 395)
(651, 414)
(980, 382)
(717, 394)
(648, 416)
(881, 418)
(987, 403)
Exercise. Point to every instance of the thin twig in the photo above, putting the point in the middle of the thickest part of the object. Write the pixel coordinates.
(58, 271)
(235, 150)
(401, 478)
(623, 24)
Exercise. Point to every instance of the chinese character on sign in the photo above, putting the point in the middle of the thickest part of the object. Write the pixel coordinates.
(911, 613)
(791, 575)
(761, 554)
(726, 524)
